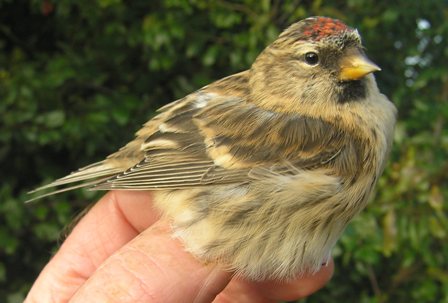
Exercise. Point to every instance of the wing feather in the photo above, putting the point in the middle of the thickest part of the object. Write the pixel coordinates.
(214, 137)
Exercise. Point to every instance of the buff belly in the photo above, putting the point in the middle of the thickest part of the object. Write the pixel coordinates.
(277, 227)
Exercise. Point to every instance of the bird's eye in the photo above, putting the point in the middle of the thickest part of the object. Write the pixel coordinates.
(311, 58)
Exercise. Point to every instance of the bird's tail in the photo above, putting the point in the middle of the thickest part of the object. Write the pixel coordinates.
(85, 177)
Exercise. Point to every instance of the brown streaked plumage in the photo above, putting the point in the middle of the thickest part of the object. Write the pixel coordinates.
(261, 171)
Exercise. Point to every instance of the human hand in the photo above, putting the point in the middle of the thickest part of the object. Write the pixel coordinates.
(122, 251)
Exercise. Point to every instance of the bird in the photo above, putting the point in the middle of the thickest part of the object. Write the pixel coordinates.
(261, 171)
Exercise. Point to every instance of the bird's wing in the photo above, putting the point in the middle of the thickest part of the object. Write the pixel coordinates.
(209, 138)
(215, 136)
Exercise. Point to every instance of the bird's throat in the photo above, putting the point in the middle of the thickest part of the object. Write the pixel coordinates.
(351, 91)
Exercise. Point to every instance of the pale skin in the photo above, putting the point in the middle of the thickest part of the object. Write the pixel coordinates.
(122, 251)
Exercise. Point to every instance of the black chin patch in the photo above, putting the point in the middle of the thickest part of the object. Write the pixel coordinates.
(350, 91)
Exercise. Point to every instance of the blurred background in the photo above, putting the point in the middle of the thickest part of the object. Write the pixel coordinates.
(78, 78)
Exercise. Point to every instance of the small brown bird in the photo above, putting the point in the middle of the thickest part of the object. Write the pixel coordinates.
(261, 171)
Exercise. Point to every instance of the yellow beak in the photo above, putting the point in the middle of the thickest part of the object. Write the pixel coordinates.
(355, 65)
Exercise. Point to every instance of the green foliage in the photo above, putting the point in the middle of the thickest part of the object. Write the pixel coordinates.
(78, 77)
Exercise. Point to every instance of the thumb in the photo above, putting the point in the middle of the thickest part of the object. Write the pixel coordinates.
(153, 267)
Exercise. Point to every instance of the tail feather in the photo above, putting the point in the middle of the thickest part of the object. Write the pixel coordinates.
(88, 176)
(58, 191)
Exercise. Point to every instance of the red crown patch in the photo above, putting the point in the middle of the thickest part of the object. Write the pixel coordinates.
(322, 27)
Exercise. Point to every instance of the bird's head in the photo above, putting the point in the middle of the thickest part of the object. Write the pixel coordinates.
(318, 60)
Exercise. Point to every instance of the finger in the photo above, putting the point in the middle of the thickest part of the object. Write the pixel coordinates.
(116, 219)
(153, 267)
(242, 291)
(299, 288)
